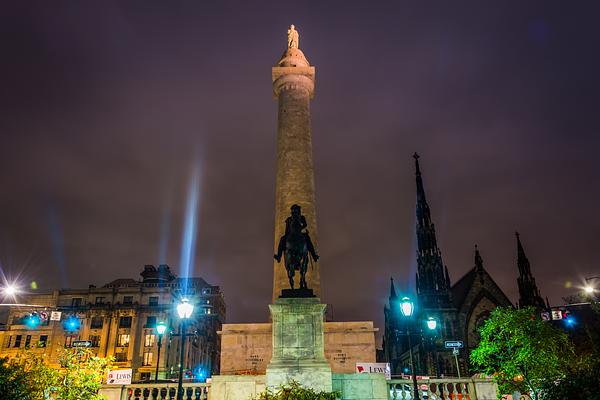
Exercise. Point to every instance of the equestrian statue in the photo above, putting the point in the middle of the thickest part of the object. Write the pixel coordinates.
(296, 246)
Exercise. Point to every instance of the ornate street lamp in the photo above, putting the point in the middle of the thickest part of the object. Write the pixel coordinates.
(161, 327)
(431, 323)
(408, 308)
(184, 309)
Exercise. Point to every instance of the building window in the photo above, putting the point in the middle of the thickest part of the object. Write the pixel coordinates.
(145, 376)
(148, 340)
(43, 341)
(151, 322)
(125, 322)
(9, 342)
(100, 300)
(95, 339)
(27, 341)
(76, 302)
(17, 341)
(153, 300)
(69, 340)
(128, 300)
(120, 357)
(96, 323)
(123, 340)
(147, 359)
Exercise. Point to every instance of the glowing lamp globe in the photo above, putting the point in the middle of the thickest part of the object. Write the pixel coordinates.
(161, 328)
(589, 289)
(431, 323)
(10, 290)
(407, 307)
(185, 309)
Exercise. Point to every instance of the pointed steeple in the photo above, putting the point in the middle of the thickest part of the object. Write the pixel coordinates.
(433, 282)
(529, 294)
(478, 260)
(393, 295)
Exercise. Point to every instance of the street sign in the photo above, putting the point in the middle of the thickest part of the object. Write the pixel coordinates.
(454, 344)
(557, 314)
(545, 316)
(81, 343)
(455, 351)
(55, 315)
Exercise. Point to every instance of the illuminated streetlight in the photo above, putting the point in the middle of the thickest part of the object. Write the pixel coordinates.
(161, 327)
(589, 289)
(10, 290)
(431, 323)
(408, 307)
(185, 310)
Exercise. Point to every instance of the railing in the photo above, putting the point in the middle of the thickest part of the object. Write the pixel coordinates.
(165, 391)
(433, 389)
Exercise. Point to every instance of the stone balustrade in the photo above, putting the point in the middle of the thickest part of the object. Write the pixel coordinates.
(158, 391)
(439, 389)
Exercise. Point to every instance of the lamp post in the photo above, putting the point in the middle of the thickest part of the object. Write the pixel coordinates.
(184, 310)
(161, 327)
(589, 289)
(408, 307)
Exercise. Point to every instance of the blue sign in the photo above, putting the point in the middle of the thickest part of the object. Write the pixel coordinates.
(454, 344)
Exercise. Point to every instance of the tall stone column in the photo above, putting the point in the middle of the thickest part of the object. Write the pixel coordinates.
(293, 87)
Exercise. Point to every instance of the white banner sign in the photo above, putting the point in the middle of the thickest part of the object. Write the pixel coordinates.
(55, 316)
(374, 368)
(119, 377)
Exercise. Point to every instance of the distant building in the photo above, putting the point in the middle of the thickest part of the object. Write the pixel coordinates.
(119, 320)
(459, 308)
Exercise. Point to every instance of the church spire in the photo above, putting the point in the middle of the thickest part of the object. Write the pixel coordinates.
(478, 260)
(529, 294)
(433, 282)
(393, 295)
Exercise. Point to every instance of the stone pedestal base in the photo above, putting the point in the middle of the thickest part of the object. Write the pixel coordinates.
(298, 345)
(317, 377)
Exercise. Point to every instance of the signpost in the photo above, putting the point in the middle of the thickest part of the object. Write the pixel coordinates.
(55, 316)
(455, 345)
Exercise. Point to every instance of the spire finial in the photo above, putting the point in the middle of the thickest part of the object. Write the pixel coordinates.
(416, 157)
(478, 259)
(392, 289)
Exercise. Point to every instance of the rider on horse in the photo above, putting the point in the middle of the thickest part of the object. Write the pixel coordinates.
(296, 245)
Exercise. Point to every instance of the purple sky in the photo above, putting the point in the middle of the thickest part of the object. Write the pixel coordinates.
(105, 107)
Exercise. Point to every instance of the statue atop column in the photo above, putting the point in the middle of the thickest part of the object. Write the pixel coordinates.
(292, 37)
(296, 245)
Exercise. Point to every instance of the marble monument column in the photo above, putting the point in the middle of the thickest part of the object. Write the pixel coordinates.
(293, 87)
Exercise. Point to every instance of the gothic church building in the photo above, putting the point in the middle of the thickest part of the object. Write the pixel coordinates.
(459, 308)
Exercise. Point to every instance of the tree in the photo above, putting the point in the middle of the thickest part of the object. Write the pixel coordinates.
(294, 391)
(582, 381)
(521, 351)
(13, 382)
(81, 375)
(29, 377)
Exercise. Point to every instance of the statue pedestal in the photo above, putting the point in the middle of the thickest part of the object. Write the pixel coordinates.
(298, 346)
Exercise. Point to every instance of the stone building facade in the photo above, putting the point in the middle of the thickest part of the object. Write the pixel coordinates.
(119, 319)
(459, 308)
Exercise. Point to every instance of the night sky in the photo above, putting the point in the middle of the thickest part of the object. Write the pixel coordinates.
(105, 107)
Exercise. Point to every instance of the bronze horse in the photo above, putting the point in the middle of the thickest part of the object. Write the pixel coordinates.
(296, 246)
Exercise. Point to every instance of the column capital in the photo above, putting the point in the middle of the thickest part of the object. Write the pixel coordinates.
(293, 78)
